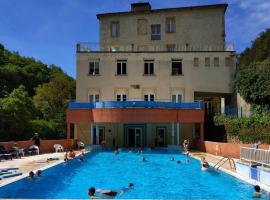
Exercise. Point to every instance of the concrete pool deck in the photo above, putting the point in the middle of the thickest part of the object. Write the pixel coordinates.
(30, 163)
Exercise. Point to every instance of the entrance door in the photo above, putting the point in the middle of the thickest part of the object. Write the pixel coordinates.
(208, 107)
(101, 135)
(134, 137)
(161, 137)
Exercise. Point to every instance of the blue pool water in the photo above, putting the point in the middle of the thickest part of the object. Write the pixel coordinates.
(157, 178)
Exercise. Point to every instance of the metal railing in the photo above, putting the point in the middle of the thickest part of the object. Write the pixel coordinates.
(135, 104)
(222, 161)
(255, 155)
(144, 47)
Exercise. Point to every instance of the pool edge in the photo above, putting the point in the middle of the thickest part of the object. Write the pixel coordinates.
(238, 176)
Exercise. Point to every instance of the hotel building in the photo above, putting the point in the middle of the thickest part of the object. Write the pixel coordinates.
(155, 78)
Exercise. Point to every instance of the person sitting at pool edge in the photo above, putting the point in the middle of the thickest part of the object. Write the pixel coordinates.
(72, 154)
(66, 156)
(257, 191)
(204, 163)
(91, 193)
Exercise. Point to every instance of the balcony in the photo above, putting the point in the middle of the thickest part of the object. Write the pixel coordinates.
(97, 47)
(135, 104)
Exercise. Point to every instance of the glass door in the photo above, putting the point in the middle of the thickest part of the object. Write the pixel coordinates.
(131, 137)
(161, 137)
(138, 137)
(134, 137)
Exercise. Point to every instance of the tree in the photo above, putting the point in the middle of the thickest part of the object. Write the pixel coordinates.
(259, 51)
(51, 99)
(253, 83)
(15, 112)
(20, 76)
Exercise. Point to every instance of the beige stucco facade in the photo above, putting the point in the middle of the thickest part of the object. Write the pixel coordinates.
(162, 83)
(200, 28)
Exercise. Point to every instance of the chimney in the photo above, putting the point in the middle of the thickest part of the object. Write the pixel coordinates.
(135, 7)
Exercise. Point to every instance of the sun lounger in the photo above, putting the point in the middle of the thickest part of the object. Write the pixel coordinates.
(4, 173)
(11, 175)
(7, 169)
(32, 150)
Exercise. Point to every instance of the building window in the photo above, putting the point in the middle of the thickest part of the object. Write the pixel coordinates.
(177, 67)
(170, 25)
(176, 97)
(216, 61)
(141, 26)
(196, 62)
(121, 97)
(121, 67)
(93, 97)
(171, 47)
(93, 68)
(149, 97)
(115, 29)
(155, 32)
(149, 67)
(207, 62)
(228, 62)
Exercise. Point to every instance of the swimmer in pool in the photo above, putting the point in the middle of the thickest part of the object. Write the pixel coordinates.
(81, 156)
(38, 173)
(143, 159)
(179, 162)
(257, 191)
(113, 193)
(91, 193)
(31, 174)
(116, 151)
(172, 158)
(204, 163)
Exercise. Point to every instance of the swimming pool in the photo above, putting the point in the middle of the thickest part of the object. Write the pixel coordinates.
(157, 178)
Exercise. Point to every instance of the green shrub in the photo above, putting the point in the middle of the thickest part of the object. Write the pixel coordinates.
(46, 129)
(247, 129)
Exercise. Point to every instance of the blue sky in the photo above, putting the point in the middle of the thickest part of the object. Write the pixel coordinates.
(48, 30)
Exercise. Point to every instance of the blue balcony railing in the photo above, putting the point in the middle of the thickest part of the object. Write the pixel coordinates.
(135, 104)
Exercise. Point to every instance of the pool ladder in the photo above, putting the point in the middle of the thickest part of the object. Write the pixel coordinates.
(223, 161)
